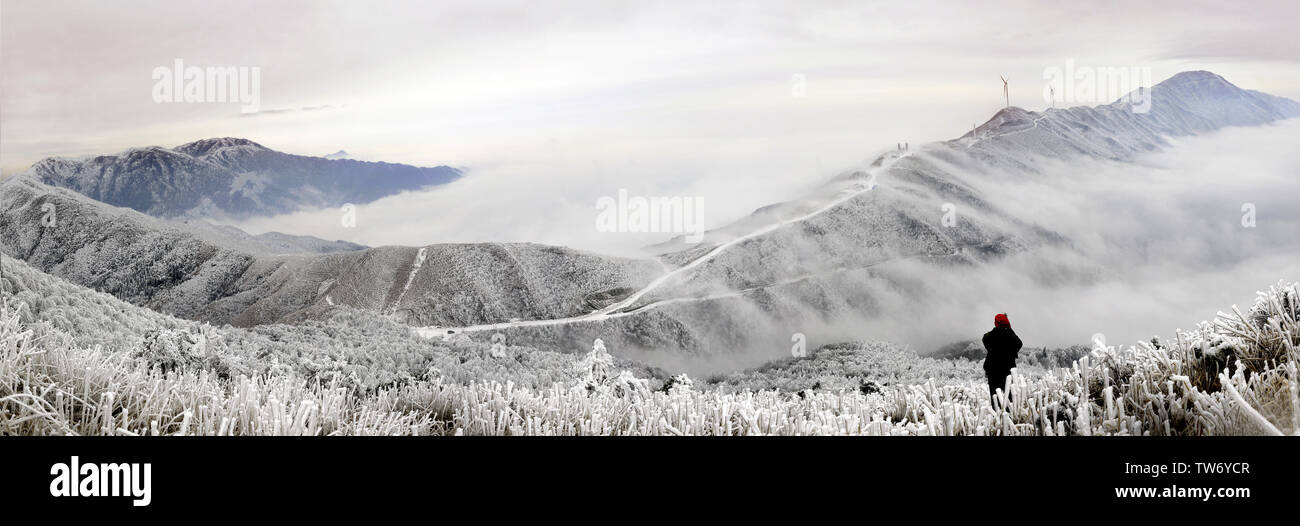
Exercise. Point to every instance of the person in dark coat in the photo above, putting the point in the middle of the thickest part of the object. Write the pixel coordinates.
(1001, 346)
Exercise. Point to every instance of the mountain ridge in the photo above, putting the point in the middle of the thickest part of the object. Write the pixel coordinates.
(1061, 132)
(1188, 103)
(865, 227)
(230, 178)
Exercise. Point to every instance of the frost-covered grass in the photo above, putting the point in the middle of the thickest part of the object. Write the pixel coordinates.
(362, 375)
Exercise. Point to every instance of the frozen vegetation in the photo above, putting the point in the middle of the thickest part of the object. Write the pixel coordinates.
(74, 361)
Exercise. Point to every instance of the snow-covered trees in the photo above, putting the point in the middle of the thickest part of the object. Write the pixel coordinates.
(596, 366)
(361, 374)
(596, 375)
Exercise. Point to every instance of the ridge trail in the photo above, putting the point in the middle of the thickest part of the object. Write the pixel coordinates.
(618, 309)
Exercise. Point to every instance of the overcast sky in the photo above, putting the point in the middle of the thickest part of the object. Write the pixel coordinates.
(476, 82)
(688, 97)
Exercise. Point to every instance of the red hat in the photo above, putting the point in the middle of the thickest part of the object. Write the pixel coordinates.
(1001, 321)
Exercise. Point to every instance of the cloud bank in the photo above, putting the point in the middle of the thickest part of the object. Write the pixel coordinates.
(1158, 245)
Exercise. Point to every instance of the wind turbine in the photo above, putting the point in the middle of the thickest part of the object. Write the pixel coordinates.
(1005, 92)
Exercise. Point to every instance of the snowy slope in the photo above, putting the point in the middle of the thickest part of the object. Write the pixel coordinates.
(220, 274)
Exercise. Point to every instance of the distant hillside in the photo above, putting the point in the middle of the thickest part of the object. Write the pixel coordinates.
(360, 349)
(231, 178)
(222, 275)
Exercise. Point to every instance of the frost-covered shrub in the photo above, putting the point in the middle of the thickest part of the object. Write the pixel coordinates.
(184, 350)
(596, 366)
(1260, 340)
(1271, 330)
(678, 383)
(627, 384)
(596, 375)
(1209, 353)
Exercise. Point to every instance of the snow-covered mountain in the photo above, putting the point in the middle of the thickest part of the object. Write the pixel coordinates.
(831, 259)
(817, 262)
(230, 178)
(220, 274)
(1189, 103)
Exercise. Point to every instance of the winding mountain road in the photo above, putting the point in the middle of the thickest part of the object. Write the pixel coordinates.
(623, 307)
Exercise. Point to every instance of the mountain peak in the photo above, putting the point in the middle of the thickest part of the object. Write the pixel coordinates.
(203, 147)
(1188, 103)
(1196, 76)
(1197, 83)
(1007, 119)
